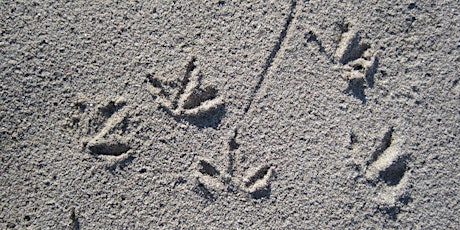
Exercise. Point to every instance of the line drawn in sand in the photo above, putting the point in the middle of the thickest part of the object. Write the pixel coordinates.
(274, 54)
(256, 180)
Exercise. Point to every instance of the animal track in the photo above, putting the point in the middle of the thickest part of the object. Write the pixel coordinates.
(102, 128)
(103, 143)
(210, 180)
(105, 131)
(358, 61)
(388, 164)
(187, 97)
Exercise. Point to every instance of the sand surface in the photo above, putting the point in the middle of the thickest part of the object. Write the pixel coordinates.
(225, 114)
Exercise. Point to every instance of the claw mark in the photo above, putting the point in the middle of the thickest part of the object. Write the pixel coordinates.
(353, 140)
(269, 62)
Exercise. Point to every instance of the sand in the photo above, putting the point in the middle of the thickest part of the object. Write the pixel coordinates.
(224, 115)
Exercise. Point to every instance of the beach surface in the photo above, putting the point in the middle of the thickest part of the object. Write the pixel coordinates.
(229, 114)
